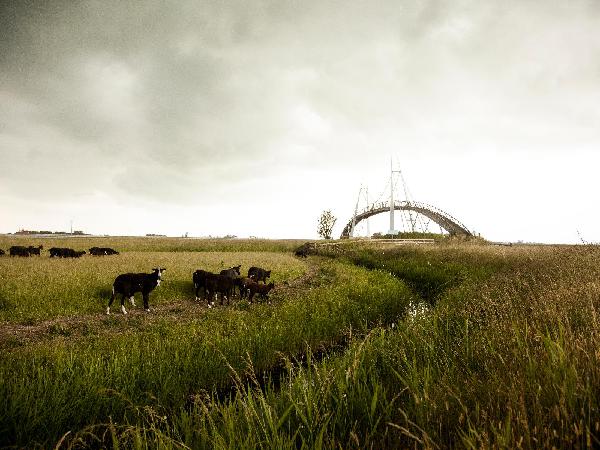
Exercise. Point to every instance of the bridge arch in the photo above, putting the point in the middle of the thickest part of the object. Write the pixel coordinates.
(443, 219)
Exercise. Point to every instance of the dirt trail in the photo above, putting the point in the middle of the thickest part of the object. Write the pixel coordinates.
(180, 311)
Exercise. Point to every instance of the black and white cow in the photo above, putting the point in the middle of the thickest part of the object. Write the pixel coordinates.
(102, 251)
(127, 284)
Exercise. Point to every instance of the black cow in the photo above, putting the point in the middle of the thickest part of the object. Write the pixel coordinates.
(102, 251)
(127, 284)
(35, 250)
(258, 274)
(232, 272)
(261, 289)
(18, 250)
(304, 250)
(65, 253)
(244, 282)
(199, 278)
(2, 252)
(219, 284)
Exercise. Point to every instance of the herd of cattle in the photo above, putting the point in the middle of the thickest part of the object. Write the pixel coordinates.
(211, 285)
(57, 252)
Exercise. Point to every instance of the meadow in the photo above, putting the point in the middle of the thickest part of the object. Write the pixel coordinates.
(447, 345)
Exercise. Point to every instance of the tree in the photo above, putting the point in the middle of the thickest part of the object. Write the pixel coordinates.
(326, 223)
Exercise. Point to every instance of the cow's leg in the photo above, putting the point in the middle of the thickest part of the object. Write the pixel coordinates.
(110, 302)
(146, 296)
(123, 310)
(132, 299)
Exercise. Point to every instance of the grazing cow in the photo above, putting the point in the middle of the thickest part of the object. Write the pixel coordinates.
(35, 250)
(261, 289)
(102, 251)
(304, 250)
(65, 253)
(128, 284)
(18, 250)
(219, 284)
(258, 274)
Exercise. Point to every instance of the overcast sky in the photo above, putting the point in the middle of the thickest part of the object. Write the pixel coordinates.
(252, 117)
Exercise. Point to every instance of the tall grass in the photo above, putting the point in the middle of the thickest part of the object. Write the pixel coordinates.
(506, 358)
(49, 389)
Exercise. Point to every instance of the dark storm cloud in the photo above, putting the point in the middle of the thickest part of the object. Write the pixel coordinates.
(167, 101)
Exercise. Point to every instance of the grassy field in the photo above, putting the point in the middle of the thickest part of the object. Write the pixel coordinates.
(448, 345)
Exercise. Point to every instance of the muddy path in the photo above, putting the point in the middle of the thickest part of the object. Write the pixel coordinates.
(179, 311)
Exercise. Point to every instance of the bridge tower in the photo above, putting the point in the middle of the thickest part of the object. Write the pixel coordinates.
(392, 230)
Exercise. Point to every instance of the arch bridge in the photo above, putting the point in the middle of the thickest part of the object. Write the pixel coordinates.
(443, 219)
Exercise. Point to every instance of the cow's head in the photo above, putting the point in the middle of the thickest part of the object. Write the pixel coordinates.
(159, 271)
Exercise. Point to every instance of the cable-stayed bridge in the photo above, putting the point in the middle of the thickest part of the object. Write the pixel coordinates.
(415, 210)
(443, 219)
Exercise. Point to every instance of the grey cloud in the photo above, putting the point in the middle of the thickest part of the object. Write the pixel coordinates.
(186, 101)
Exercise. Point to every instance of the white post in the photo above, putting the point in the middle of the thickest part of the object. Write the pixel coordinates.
(368, 226)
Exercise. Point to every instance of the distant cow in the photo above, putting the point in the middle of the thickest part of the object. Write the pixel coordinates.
(58, 252)
(128, 284)
(102, 251)
(261, 289)
(258, 274)
(2, 252)
(304, 250)
(35, 250)
(18, 250)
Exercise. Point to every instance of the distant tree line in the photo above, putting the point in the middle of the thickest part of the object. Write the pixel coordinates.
(77, 232)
